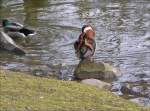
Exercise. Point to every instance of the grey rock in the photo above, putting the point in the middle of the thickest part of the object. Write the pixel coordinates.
(87, 69)
(131, 89)
(123, 88)
(66, 72)
(141, 101)
(96, 82)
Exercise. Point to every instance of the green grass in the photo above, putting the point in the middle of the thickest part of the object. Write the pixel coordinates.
(23, 92)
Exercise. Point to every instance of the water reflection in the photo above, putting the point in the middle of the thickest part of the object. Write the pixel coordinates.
(32, 9)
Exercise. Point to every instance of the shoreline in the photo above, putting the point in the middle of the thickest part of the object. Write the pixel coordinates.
(20, 91)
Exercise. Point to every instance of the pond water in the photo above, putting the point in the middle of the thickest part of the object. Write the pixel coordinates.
(122, 36)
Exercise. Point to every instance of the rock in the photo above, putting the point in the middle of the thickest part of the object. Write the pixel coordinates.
(66, 72)
(41, 71)
(141, 101)
(131, 89)
(87, 69)
(8, 44)
(138, 90)
(62, 71)
(96, 82)
(121, 89)
(116, 88)
(126, 89)
(143, 91)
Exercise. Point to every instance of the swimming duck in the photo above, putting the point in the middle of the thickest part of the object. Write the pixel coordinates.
(9, 44)
(15, 29)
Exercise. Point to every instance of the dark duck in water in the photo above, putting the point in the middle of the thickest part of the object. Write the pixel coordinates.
(85, 45)
(16, 30)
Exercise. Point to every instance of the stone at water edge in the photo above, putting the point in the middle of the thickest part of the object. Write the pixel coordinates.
(143, 101)
(87, 69)
(97, 83)
(131, 89)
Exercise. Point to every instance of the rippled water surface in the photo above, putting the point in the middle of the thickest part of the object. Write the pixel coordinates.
(122, 34)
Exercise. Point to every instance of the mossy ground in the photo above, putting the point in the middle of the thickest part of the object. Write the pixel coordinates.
(22, 92)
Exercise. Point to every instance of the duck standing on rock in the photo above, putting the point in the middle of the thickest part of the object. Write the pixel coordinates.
(16, 30)
(85, 45)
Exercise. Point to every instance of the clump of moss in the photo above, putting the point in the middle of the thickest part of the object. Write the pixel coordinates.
(22, 92)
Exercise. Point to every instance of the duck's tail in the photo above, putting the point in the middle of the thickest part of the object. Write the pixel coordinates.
(27, 32)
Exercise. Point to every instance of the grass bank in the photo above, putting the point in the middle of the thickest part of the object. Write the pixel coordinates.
(23, 92)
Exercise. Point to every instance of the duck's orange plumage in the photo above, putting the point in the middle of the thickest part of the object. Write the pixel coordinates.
(85, 41)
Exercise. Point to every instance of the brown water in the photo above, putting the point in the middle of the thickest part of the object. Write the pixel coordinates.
(122, 35)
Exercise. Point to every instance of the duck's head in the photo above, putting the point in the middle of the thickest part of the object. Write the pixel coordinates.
(88, 30)
(5, 22)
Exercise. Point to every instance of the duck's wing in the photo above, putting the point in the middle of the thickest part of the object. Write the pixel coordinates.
(94, 45)
(86, 52)
(15, 35)
(17, 24)
(12, 28)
